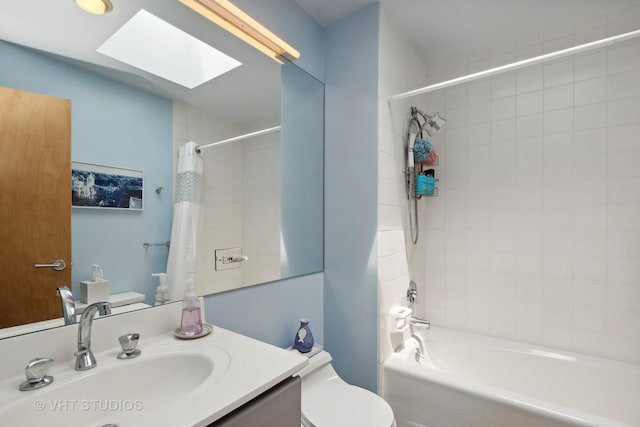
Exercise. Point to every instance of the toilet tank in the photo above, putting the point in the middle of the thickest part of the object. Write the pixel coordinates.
(316, 362)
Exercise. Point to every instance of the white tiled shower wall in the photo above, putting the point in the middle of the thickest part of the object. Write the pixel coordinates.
(400, 69)
(239, 181)
(261, 193)
(536, 233)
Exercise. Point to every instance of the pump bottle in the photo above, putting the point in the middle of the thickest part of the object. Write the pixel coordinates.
(162, 293)
(191, 323)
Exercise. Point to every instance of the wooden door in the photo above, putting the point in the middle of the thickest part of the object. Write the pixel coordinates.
(35, 204)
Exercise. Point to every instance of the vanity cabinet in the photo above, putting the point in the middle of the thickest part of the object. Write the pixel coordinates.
(277, 407)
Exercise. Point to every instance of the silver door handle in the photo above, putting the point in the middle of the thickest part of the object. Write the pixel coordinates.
(57, 265)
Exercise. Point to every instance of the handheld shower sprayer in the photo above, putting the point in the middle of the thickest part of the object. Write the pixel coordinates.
(419, 149)
(410, 158)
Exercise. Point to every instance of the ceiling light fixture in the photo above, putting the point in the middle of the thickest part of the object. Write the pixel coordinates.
(234, 20)
(97, 7)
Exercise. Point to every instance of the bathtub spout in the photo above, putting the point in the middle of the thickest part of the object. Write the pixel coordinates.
(422, 323)
(416, 321)
(420, 349)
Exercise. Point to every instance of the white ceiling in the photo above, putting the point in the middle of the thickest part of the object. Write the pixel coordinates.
(247, 94)
(445, 31)
(326, 12)
(442, 31)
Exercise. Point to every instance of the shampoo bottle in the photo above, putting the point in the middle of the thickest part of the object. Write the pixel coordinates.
(162, 293)
(430, 182)
(421, 184)
(191, 323)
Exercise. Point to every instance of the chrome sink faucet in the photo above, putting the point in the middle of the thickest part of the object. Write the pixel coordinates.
(84, 357)
(68, 305)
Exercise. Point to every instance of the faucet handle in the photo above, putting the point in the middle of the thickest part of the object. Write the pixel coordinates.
(412, 292)
(129, 342)
(36, 372)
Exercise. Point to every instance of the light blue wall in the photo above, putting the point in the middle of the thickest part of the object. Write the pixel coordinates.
(348, 300)
(351, 146)
(271, 312)
(117, 125)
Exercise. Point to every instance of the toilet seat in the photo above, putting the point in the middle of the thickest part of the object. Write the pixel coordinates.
(334, 403)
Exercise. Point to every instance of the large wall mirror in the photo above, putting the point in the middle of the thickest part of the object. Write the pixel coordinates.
(263, 195)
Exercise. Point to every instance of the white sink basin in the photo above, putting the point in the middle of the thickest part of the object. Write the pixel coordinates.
(172, 383)
(120, 392)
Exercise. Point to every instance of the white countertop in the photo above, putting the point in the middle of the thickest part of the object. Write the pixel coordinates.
(253, 368)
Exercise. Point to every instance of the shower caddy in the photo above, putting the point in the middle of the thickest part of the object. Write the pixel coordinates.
(430, 123)
(412, 172)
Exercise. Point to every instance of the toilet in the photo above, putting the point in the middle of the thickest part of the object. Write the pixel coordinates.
(328, 401)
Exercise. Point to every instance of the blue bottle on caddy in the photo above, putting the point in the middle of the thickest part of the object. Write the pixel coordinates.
(421, 184)
(303, 341)
(429, 182)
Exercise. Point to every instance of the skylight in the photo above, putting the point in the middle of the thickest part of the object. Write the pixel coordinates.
(153, 45)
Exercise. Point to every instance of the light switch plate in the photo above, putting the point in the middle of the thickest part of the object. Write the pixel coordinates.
(224, 258)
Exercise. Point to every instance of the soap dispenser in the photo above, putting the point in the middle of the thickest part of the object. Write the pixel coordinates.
(191, 323)
(162, 293)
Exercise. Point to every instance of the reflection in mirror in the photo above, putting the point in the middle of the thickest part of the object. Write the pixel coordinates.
(262, 195)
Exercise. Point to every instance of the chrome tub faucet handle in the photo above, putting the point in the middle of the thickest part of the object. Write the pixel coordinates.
(412, 292)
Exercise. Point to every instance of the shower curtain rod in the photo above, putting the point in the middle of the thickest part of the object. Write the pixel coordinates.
(517, 65)
(240, 137)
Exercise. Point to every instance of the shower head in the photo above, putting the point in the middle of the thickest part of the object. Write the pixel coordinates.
(436, 122)
(432, 123)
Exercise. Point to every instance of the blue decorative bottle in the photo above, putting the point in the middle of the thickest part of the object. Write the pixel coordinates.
(303, 341)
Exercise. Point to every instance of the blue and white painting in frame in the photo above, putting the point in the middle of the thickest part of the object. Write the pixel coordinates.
(108, 187)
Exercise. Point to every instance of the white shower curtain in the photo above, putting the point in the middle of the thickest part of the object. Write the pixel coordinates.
(187, 210)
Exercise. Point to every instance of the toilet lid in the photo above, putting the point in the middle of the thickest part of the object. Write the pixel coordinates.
(333, 403)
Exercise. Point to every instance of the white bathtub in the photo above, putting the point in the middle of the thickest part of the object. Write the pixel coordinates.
(468, 380)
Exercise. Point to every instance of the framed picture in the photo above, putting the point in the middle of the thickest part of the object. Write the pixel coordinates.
(108, 187)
